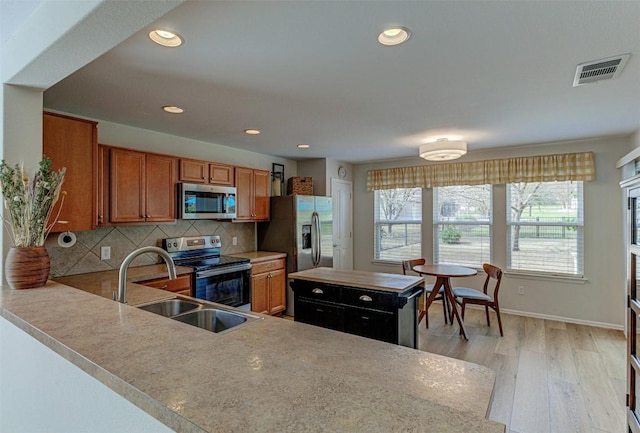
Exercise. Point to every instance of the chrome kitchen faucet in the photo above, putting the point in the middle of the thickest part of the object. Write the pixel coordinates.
(121, 296)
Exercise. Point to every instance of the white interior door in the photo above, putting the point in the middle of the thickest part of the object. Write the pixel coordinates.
(342, 193)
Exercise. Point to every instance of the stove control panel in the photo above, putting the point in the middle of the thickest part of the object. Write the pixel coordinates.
(174, 245)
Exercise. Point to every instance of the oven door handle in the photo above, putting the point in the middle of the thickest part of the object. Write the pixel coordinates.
(225, 270)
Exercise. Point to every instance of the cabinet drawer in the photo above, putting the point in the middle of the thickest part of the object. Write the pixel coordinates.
(319, 291)
(181, 284)
(371, 298)
(271, 265)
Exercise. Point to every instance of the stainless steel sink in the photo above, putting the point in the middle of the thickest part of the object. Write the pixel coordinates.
(203, 315)
(170, 307)
(212, 319)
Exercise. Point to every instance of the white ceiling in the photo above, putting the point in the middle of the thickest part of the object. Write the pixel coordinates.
(494, 74)
(13, 14)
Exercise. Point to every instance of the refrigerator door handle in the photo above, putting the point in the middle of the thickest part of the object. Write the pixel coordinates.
(316, 253)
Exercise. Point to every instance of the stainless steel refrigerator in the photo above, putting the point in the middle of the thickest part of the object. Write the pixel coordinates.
(302, 227)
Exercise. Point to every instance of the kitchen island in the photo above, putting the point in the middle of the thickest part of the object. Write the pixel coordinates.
(370, 304)
(272, 375)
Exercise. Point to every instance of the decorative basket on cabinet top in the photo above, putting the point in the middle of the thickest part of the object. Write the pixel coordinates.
(300, 186)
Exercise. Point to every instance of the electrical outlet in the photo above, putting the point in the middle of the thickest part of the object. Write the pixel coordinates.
(234, 240)
(105, 253)
(520, 290)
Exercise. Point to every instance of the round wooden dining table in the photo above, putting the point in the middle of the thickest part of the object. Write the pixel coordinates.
(443, 273)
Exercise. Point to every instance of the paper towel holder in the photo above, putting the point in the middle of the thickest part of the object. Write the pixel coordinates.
(67, 239)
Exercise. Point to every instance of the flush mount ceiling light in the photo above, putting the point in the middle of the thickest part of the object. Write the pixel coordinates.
(394, 36)
(443, 150)
(252, 131)
(173, 109)
(303, 146)
(165, 38)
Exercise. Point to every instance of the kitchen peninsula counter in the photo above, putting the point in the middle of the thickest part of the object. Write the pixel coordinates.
(271, 375)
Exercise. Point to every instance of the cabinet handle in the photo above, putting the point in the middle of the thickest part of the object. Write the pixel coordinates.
(164, 287)
(317, 291)
(365, 298)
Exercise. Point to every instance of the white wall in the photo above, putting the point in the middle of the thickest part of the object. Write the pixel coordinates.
(43, 392)
(137, 138)
(322, 170)
(599, 301)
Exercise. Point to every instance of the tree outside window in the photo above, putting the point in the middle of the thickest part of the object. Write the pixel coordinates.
(398, 220)
(545, 222)
(462, 225)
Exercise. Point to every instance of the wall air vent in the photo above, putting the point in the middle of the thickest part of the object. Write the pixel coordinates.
(604, 69)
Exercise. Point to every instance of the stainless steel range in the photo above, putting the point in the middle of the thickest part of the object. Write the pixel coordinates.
(222, 279)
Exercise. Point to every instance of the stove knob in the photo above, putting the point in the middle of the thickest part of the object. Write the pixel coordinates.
(175, 244)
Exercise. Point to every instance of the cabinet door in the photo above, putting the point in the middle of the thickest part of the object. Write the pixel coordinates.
(277, 292)
(324, 315)
(127, 186)
(244, 193)
(259, 293)
(193, 171)
(261, 188)
(633, 309)
(379, 325)
(103, 186)
(160, 180)
(220, 174)
(72, 143)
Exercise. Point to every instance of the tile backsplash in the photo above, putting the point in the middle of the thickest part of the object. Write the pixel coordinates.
(84, 256)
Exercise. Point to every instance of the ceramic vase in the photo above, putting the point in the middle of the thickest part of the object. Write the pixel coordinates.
(27, 267)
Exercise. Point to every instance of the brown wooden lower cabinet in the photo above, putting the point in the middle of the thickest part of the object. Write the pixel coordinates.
(180, 286)
(268, 287)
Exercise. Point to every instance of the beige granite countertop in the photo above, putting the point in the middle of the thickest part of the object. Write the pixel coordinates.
(272, 375)
(260, 256)
(104, 283)
(362, 279)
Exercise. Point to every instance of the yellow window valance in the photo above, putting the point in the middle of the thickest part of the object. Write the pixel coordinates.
(542, 168)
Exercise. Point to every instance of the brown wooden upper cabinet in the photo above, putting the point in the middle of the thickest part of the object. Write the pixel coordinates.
(252, 199)
(103, 186)
(195, 171)
(141, 186)
(72, 143)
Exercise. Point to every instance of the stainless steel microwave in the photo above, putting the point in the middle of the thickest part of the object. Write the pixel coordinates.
(206, 201)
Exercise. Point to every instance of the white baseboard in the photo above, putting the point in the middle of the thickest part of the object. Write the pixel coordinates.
(550, 317)
(564, 319)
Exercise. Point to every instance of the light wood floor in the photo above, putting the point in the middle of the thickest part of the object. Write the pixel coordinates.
(551, 377)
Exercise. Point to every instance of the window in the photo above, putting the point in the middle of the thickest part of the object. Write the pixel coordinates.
(546, 227)
(462, 225)
(398, 220)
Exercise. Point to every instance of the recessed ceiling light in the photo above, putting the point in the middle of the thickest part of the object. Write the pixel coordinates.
(173, 109)
(252, 131)
(303, 146)
(394, 36)
(165, 38)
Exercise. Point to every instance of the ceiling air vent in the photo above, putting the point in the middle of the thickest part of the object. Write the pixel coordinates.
(604, 69)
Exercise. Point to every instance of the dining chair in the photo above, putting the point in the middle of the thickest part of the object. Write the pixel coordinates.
(465, 295)
(407, 265)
